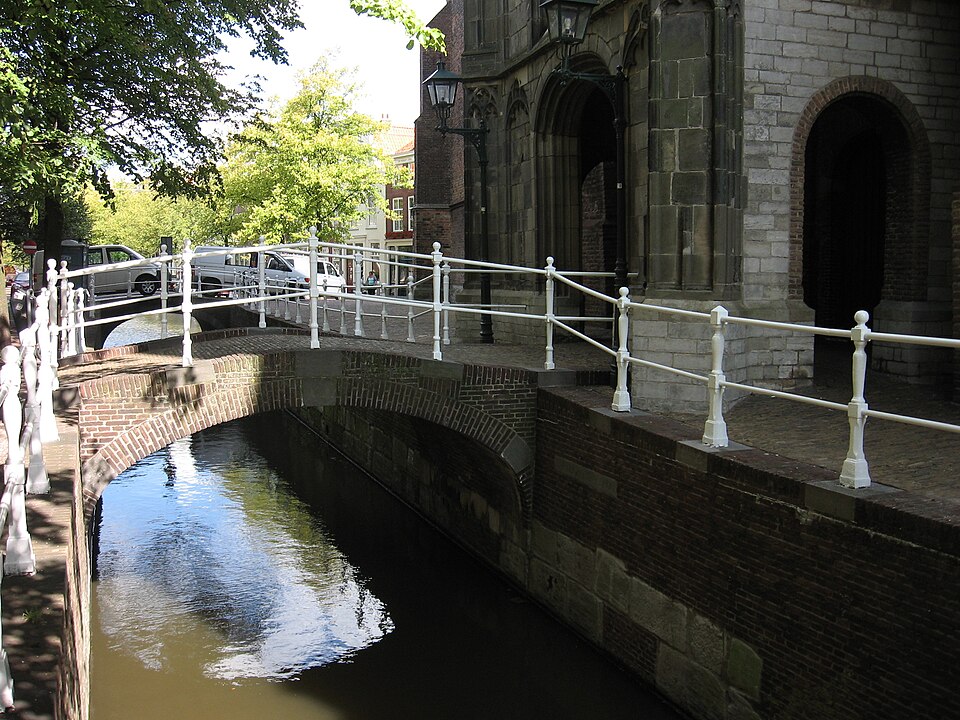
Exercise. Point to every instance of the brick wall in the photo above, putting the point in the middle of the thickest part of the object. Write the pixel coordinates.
(956, 292)
(740, 585)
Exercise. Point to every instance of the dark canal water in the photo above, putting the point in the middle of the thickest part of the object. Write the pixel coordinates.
(234, 585)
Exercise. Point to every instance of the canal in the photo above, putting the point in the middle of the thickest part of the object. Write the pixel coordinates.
(239, 578)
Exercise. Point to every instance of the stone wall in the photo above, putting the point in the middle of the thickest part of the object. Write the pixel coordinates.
(739, 585)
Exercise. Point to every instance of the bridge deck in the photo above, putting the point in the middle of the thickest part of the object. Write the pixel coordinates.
(902, 456)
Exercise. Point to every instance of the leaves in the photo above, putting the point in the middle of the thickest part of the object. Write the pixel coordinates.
(399, 12)
(310, 162)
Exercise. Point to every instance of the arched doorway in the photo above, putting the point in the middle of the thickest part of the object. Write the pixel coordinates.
(576, 178)
(848, 159)
(861, 211)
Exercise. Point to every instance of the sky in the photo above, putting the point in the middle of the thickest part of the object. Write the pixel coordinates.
(388, 72)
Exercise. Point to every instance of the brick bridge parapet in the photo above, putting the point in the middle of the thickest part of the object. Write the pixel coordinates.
(125, 417)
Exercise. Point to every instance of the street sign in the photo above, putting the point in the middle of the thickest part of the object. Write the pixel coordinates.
(29, 247)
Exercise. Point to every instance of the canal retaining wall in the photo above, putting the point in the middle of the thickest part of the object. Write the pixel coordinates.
(739, 584)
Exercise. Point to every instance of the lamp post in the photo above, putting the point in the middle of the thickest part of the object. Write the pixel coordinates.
(567, 25)
(442, 87)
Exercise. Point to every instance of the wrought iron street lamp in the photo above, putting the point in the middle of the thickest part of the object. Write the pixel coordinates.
(442, 87)
(567, 25)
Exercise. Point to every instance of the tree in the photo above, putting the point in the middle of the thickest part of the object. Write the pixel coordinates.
(87, 84)
(312, 162)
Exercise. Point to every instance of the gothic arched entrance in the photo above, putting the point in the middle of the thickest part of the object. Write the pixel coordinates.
(576, 172)
(861, 220)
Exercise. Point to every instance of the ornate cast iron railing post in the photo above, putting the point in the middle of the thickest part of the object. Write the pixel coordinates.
(621, 396)
(548, 363)
(715, 428)
(856, 473)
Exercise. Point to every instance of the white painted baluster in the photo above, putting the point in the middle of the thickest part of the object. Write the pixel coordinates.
(383, 321)
(715, 428)
(262, 284)
(54, 319)
(37, 480)
(446, 303)
(437, 303)
(343, 309)
(621, 396)
(548, 363)
(63, 314)
(6, 681)
(856, 473)
(47, 380)
(164, 292)
(20, 558)
(411, 335)
(82, 319)
(314, 291)
(68, 336)
(186, 304)
(357, 280)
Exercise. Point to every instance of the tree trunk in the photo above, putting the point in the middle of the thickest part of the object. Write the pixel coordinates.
(51, 228)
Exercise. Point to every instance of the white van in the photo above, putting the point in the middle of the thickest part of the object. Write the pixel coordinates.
(227, 270)
(328, 276)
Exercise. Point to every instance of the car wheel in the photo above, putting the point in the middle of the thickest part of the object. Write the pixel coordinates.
(147, 285)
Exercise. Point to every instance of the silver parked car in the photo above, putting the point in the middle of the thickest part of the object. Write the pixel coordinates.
(144, 279)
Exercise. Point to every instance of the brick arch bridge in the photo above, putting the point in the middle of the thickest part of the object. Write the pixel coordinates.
(125, 417)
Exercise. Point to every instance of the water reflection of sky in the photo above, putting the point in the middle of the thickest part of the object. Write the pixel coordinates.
(230, 561)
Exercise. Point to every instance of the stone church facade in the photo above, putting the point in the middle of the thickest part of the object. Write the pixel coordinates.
(793, 160)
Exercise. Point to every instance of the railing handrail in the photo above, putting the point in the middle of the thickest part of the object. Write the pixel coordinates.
(435, 269)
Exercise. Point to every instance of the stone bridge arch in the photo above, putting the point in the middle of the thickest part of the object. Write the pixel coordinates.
(124, 418)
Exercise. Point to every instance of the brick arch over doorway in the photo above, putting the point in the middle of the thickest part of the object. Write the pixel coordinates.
(913, 212)
(124, 418)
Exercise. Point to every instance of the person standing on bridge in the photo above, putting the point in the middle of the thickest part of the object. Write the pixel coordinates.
(371, 283)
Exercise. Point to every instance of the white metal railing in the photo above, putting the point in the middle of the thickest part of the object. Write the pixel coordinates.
(28, 426)
(426, 297)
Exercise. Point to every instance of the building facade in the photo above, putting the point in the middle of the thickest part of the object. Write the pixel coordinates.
(377, 230)
(794, 160)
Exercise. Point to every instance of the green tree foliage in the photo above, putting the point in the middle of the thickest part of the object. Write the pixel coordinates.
(314, 161)
(398, 12)
(137, 217)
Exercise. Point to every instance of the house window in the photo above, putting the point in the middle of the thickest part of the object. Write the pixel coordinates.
(410, 213)
(398, 214)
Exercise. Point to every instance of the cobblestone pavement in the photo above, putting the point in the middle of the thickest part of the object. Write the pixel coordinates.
(899, 455)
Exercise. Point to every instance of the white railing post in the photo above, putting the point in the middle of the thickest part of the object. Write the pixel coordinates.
(326, 308)
(67, 334)
(715, 428)
(384, 335)
(37, 480)
(446, 303)
(357, 289)
(164, 293)
(20, 558)
(314, 291)
(621, 396)
(548, 363)
(46, 373)
(81, 327)
(186, 304)
(262, 283)
(856, 473)
(53, 318)
(437, 302)
(411, 335)
(62, 314)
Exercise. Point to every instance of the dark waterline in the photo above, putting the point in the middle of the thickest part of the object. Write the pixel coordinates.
(231, 586)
